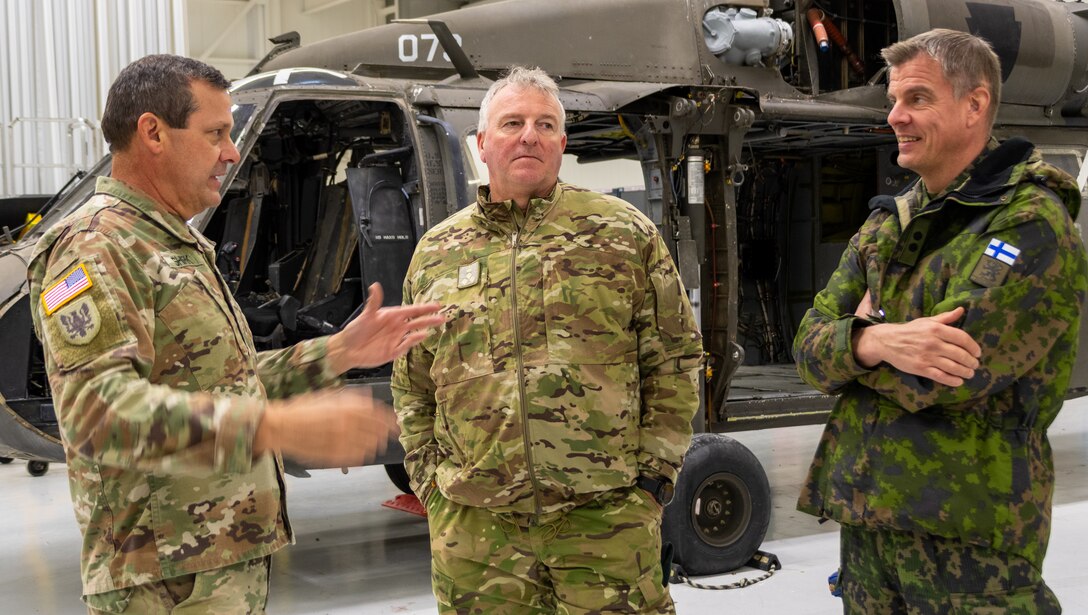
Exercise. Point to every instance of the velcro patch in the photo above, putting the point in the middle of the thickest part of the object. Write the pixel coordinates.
(80, 321)
(67, 288)
(468, 275)
(990, 272)
(180, 260)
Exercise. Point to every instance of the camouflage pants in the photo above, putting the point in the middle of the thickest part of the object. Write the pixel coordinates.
(891, 572)
(240, 589)
(601, 557)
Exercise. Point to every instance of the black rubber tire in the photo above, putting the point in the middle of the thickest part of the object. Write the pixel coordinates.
(5, 460)
(721, 507)
(399, 476)
(37, 468)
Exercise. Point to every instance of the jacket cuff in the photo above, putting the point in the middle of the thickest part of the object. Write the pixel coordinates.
(236, 420)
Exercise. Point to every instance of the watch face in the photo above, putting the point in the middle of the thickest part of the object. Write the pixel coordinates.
(666, 494)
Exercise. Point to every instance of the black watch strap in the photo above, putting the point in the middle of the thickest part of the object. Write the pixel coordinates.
(658, 488)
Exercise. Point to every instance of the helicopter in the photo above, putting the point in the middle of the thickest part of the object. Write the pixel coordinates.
(757, 128)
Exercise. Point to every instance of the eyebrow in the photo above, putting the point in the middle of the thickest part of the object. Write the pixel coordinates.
(914, 89)
(521, 116)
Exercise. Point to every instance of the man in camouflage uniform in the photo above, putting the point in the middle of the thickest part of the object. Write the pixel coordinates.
(560, 392)
(172, 445)
(949, 329)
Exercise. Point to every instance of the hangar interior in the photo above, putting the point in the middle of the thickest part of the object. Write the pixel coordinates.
(354, 555)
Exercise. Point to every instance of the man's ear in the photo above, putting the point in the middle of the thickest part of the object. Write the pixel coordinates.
(978, 105)
(150, 132)
(480, 147)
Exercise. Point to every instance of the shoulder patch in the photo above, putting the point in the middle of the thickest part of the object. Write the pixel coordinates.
(80, 321)
(990, 272)
(65, 289)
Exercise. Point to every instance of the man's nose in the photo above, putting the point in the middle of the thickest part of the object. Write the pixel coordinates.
(897, 115)
(230, 152)
(529, 134)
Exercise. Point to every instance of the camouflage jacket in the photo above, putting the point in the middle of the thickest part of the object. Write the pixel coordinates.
(971, 462)
(158, 391)
(569, 361)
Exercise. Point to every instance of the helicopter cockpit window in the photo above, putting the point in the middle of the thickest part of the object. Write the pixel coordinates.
(242, 115)
(320, 209)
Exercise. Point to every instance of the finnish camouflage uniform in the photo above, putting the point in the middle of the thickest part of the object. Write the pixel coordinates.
(158, 391)
(567, 367)
(968, 468)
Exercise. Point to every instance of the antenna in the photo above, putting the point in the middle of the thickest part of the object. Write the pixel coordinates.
(449, 45)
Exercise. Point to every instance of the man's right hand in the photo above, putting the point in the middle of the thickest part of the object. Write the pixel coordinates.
(328, 429)
(931, 347)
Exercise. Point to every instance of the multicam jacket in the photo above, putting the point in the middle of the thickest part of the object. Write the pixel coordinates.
(158, 391)
(971, 462)
(569, 361)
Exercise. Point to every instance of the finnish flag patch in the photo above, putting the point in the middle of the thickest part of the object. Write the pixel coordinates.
(994, 265)
(1004, 252)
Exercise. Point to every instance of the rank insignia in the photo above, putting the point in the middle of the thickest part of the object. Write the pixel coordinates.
(80, 322)
(67, 288)
(468, 275)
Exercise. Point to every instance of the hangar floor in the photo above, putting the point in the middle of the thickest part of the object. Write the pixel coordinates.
(354, 556)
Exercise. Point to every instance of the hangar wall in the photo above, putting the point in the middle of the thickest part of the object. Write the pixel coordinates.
(58, 58)
(56, 61)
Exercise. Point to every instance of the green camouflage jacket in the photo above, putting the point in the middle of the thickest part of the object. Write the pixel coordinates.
(158, 391)
(569, 361)
(971, 462)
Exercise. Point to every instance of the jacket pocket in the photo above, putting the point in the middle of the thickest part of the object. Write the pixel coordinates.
(462, 348)
(196, 339)
(589, 300)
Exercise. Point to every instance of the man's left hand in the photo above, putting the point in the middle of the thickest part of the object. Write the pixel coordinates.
(380, 334)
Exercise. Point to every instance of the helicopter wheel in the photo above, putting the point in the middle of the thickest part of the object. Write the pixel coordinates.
(5, 460)
(37, 468)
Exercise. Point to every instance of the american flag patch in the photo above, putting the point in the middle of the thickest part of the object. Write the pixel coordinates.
(66, 289)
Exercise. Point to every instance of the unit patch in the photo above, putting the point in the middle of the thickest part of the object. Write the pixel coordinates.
(67, 288)
(468, 275)
(80, 321)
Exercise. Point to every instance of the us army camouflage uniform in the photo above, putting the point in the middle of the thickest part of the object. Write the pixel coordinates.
(158, 392)
(568, 367)
(966, 466)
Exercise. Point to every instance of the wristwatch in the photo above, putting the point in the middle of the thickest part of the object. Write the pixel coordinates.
(660, 489)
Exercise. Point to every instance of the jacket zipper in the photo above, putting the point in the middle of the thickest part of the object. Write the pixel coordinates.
(515, 245)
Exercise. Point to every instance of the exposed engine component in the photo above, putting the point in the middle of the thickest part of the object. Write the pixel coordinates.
(743, 38)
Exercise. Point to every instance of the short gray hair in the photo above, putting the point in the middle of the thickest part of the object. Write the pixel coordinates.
(523, 77)
(966, 60)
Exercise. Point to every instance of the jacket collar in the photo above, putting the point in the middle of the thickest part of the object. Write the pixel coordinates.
(169, 222)
(500, 215)
(995, 170)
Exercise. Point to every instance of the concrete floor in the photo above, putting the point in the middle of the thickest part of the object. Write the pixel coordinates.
(354, 556)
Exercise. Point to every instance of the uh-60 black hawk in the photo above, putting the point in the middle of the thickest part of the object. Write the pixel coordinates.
(760, 144)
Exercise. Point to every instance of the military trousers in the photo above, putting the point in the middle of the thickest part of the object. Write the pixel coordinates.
(601, 557)
(239, 589)
(892, 572)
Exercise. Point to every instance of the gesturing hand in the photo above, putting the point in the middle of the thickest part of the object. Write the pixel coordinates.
(930, 347)
(380, 334)
(328, 429)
